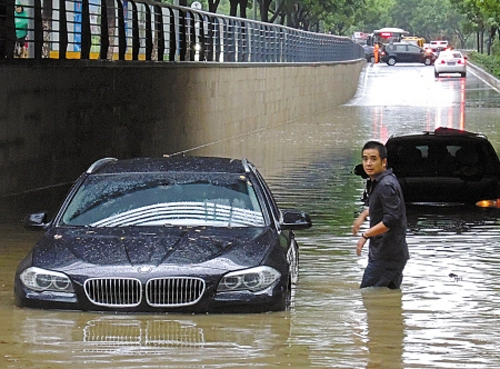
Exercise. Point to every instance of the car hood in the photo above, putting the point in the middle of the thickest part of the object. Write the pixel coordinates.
(62, 248)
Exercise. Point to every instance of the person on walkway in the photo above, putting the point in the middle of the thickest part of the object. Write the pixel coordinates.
(21, 22)
(388, 250)
(376, 52)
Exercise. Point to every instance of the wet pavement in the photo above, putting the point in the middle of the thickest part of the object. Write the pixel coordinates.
(445, 315)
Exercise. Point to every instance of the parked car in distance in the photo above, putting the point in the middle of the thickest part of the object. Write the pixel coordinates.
(177, 234)
(403, 52)
(450, 61)
(438, 45)
(444, 167)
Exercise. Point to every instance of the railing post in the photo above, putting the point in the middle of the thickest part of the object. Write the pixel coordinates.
(202, 40)
(104, 44)
(122, 41)
(173, 36)
(230, 37)
(149, 33)
(191, 35)
(135, 31)
(38, 34)
(85, 42)
(183, 49)
(63, 30)
(160, 32)
(7, 32)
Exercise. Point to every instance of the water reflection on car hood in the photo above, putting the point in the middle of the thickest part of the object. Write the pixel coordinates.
(176, 245)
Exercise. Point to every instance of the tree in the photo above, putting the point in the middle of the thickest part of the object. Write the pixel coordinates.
(339, 17)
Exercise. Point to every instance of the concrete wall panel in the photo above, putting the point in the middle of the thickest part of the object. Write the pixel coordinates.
(57, 117)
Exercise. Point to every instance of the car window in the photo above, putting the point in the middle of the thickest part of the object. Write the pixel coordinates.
(435, 159)
(152, 199)
(450, 55)
(401, 47)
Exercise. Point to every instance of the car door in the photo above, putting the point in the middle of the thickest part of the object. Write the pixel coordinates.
(415, 54)
(402, 53)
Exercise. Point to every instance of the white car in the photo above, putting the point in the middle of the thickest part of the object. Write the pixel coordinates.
(450, 61)
(438, 45)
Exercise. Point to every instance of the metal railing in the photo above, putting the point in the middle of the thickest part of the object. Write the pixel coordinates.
(146, 30)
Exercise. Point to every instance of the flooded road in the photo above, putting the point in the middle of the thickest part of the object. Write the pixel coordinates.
(445, 316)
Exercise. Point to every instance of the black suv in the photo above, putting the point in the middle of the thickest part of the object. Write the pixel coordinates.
(403, 52)
(446, 166)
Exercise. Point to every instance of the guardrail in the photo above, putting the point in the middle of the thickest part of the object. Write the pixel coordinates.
(146, 30)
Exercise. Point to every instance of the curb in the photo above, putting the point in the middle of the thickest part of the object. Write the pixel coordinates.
(485, 76)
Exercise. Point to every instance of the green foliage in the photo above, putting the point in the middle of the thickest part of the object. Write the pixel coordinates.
(452, 20)
(495, 48)
(490, 63)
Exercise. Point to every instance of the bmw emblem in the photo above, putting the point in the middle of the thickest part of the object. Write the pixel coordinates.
(144, 269)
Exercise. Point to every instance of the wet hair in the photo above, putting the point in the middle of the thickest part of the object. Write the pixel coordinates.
(382, 150)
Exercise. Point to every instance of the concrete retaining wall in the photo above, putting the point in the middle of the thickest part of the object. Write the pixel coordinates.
(57, 117)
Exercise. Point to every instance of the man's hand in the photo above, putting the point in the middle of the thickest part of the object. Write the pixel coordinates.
(359, 245)
(356, 225)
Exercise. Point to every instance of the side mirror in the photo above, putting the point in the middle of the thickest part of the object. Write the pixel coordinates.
(295, 220)
(35, 221)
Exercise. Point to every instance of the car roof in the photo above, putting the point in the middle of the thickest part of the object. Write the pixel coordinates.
(441, 134)
(177, 163)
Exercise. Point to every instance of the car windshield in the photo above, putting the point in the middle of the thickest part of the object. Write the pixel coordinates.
(156, 199)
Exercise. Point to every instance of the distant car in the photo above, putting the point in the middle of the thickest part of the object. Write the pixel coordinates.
(403, 52)
(438, 45)
(369, 55)
(178, 234)
(446, 166)
(450, 61)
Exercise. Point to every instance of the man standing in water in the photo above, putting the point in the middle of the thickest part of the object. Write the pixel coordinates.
(388, 250)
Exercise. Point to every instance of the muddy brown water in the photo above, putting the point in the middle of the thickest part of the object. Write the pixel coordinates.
(445, 316)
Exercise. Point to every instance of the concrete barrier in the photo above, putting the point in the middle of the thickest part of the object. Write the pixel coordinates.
(59, 116)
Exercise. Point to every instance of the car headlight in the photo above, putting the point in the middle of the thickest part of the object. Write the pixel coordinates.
(46, 280)
(254, 279)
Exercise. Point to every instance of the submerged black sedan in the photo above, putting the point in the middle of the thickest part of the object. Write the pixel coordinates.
(174, 234)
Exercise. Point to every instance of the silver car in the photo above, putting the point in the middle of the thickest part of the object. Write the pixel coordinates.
(450, 61)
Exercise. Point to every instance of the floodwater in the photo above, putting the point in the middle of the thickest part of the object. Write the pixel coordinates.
(445, 316)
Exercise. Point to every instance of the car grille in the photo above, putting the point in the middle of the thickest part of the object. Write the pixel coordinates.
(168, 292)
(160, 292)
(118, 292)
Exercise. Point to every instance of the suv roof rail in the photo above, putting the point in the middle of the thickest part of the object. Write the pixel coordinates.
(99, 164)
